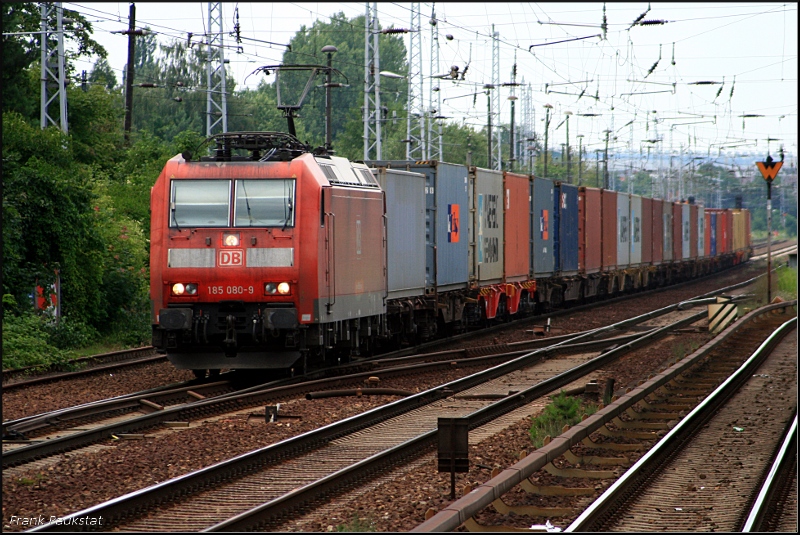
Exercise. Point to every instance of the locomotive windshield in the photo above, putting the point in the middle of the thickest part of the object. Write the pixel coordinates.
(257, 203)
(264, 203)
(200, 203)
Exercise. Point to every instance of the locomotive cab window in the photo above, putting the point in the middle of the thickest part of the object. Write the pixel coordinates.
(200, 203)
(264, 203)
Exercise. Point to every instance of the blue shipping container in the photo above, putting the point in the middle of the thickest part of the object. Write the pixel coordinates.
(542, 256)
(405, 230)
(565, 212)
(713, 231)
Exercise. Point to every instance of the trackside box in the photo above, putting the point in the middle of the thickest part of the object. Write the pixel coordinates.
(446, 213)
(517, 210)
(565, 210)
(405, 230)
(590, 231)
(542, 257)
(486, 220)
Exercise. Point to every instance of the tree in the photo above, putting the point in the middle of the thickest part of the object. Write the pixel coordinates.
(348, 37)
(22, 53)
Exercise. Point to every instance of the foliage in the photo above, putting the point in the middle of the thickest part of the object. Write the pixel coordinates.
(564, 410)
(357, 524)
(787, 282)
(58, 215)
(21, 53)
(26, 342)
(348, 37)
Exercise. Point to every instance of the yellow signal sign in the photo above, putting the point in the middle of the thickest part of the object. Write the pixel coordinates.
(769, 169)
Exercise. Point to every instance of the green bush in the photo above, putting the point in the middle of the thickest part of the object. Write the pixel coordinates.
(68, 333)
(564, 410)
(787, 282)
(26, 342)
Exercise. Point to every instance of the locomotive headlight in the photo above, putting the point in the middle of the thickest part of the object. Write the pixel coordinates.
(230, 240)
(280, 288)
(180, 288)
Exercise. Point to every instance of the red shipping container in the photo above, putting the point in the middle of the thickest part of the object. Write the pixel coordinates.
(724, 234)
(590, 236)
(647, 230)
(609, 224)
(517, 227)
(677, 232)
(693, 210)
(748, 237)
(709, 230)
(657, 232)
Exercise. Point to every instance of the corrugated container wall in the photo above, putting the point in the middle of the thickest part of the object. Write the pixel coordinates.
(677, 232)
(636, 230)
(701, 232)
(647, 230)
(748, 230)
(693, 231)
(667, 228)
(609, 217)
(486, 225)
(590, 233)
(543, 259)
(565, 209)
(517, 227)
(623, 230)
(713, 229)
(446, 214)
(657, 234)
(405, 230)
(686, 235)
(739, 230)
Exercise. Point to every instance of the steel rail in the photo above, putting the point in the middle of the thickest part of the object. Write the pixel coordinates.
(779, 471)
(415, 447)
(631, 480)
(258, 394)
(232, 468)
(454, 515)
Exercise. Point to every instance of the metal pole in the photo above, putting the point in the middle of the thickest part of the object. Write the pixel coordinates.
(489, 124)
(329, 49)
(605, 164)
(129, 75)
(546, 129)
(769, 241)
(569, 172)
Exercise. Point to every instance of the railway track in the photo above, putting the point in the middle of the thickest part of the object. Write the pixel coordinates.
(598, 450)
(155, 402)
(14, 379)
(345, 438)
(100, 363)
(775, 507)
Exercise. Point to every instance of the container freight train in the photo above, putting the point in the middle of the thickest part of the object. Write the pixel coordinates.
(268, 254)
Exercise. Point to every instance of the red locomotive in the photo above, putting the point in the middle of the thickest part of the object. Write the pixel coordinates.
(239, 279)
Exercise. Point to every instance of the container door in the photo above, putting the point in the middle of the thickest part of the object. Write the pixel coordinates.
(543, 258)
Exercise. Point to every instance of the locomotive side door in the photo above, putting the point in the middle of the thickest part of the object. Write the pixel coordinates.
(329, 223)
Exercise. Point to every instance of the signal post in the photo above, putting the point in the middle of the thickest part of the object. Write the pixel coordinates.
(769, 170)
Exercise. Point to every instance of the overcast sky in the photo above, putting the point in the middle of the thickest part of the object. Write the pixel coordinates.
(638, 73)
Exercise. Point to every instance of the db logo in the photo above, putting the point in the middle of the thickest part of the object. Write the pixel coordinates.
(230, 258)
